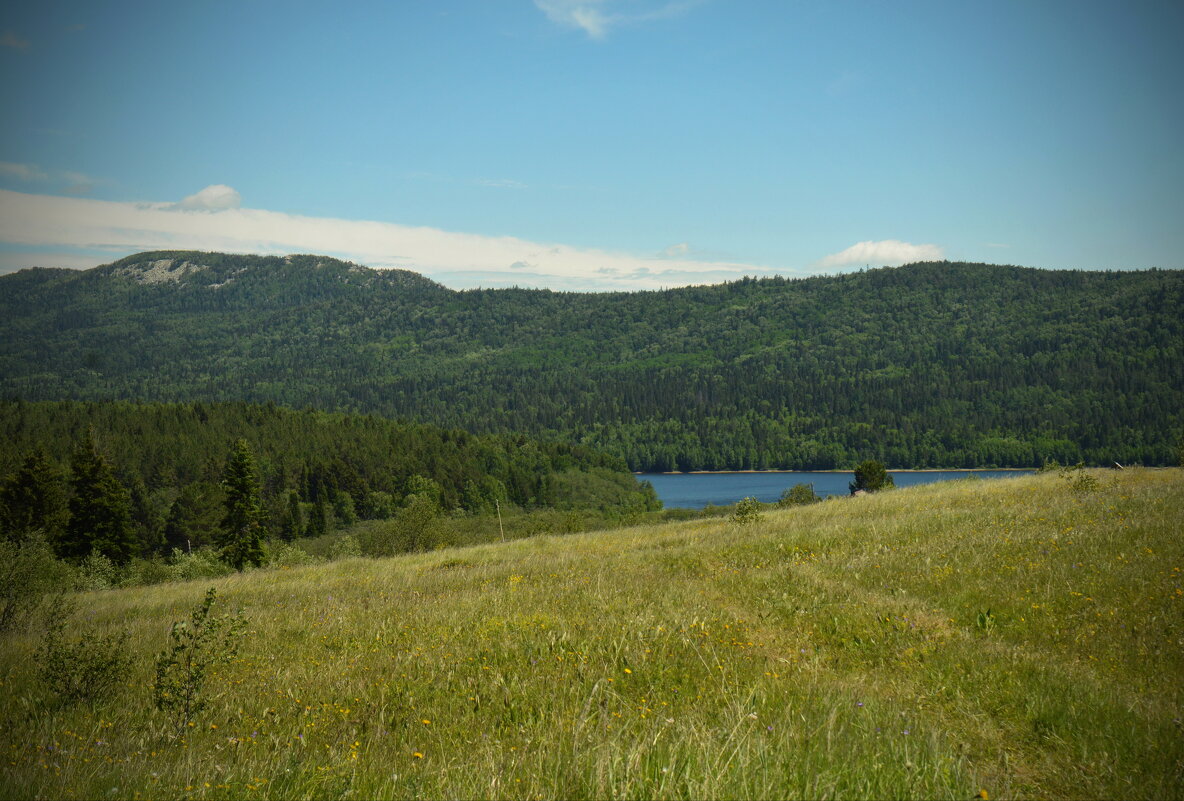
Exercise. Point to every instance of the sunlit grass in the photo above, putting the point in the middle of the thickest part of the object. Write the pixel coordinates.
(831, 650)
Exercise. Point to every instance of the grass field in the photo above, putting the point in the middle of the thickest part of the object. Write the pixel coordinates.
(1022, 637)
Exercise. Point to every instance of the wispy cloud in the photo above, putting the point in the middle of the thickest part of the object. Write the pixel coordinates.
(48, 223)
(22, 172)
(597, 17)
(500, 183)
(73, 183)
(11, 40)
(885, 253)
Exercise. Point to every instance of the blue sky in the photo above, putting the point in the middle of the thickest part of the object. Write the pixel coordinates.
(596, 144)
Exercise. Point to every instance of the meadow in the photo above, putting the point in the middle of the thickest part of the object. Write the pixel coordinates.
(1013, 638)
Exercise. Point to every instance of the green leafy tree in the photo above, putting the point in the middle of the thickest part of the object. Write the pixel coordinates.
(196, 645)
(241, 533)
(343, 508)
(100, 508)
(33, 498)
(748, 511)
(871, 476)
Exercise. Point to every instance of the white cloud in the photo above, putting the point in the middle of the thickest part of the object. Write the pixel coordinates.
(887, 252)
(44, 222)
(23, 172)
(676, 251)
(597, 17)
(213, 198)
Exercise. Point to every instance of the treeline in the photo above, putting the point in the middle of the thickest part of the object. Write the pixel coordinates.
(129, 479)
(928, 365)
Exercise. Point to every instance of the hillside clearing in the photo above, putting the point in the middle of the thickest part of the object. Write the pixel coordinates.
(1017, 636)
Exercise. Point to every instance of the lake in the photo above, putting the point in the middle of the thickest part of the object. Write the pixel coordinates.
(696, 490)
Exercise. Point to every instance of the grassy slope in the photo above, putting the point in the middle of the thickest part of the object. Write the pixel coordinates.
(827, 651)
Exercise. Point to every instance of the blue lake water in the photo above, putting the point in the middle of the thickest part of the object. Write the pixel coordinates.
(696, 490)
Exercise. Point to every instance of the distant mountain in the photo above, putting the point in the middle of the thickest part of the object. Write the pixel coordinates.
(932, 364)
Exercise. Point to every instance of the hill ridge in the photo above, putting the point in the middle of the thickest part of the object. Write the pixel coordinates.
(934, 364)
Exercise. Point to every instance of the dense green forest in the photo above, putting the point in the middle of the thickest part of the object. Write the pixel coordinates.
(928, 365)
(162, 468)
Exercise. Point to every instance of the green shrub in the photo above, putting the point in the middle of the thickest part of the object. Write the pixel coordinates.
(347, 547)
(28, 570)
(84, 669)
(198, 563)
(1080, 481)
(97, 572)
(798, 495)
(747, 511)
(197, 645)
(142, 572)
(285, 554)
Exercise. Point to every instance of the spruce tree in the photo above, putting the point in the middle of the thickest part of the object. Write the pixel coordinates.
(318, 519)
(241, 534)
(33, 498)
(100, 509)
(871, 476)
(293, 520)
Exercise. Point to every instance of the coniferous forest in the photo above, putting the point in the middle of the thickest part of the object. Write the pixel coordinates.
(125, 479)
(928, 365)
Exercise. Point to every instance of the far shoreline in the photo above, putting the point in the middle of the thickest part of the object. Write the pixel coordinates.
(889, 469)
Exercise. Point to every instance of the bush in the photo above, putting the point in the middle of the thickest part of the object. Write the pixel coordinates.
(798, 495)
(347, 547)
(83, 669)
(142, 572)
(199, 563)
(285, 554)
(1080, 481)
(28, 570)
(747, 511)
(97, 572)
(197, 645)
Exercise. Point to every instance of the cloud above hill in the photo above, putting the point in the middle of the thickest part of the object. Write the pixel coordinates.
(214, 219)
(885, 253)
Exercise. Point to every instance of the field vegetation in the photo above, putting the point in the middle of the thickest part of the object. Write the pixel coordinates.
(1010, 638)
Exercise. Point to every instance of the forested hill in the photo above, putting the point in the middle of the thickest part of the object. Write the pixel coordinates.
(933, 364)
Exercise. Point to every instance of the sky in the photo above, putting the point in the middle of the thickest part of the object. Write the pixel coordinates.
(596, 144)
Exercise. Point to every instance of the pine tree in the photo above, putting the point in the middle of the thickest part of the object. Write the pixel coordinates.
(318, 519)
(100, 509)
(241, 535)
(293, 521)
(871, 476)
(33, 498)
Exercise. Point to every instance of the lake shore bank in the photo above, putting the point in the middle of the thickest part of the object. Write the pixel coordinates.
(890, 470)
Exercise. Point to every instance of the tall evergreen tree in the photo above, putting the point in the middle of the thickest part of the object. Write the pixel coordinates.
(100, 509)
(241, 534)
(292, 525)
(33, 498)
(318, 519)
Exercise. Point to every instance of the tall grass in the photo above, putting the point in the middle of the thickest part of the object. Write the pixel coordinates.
(832, 650)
